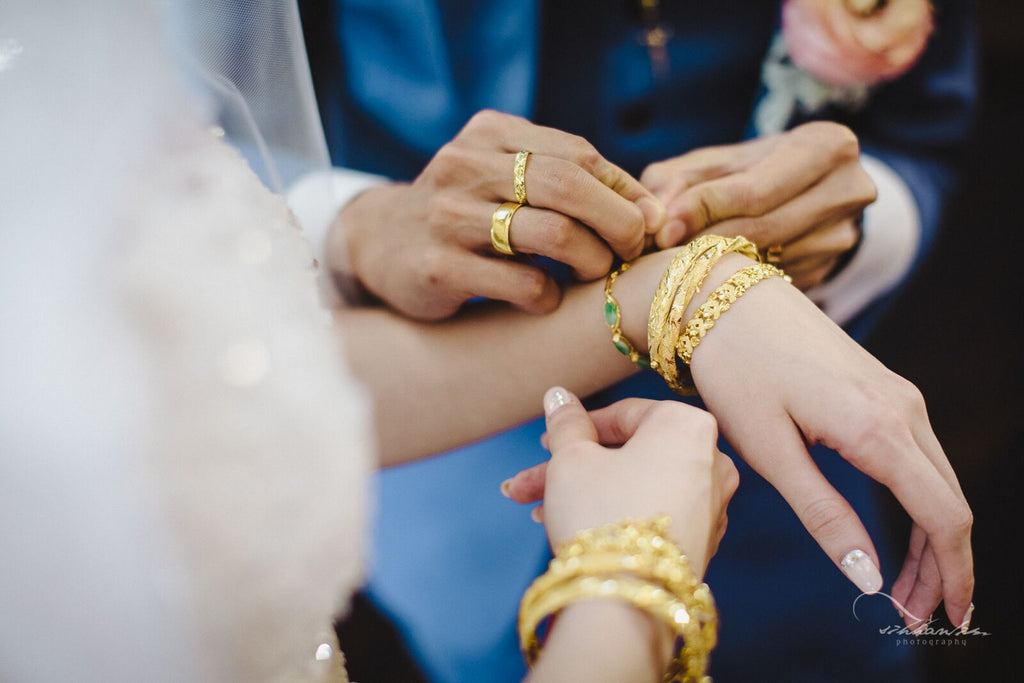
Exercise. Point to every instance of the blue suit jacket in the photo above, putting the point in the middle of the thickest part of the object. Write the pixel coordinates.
(397, 80)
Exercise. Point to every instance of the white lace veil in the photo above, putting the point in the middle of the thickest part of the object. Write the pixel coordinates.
(182, 453)
(248, 58)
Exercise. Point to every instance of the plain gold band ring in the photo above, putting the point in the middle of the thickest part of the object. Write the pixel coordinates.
(501, 221)
(519, 176)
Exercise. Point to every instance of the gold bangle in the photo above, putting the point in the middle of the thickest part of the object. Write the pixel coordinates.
(680, 283)
(634, 561)
(613, 317)
(718, 302)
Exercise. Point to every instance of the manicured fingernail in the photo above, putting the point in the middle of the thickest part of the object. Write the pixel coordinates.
(653, 211)
(535, 515)
(556, 398)
(967, 620)
(505, 486)
(859, 568)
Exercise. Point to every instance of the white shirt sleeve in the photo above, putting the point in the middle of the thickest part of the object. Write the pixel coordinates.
(315, 199)
(892, 231)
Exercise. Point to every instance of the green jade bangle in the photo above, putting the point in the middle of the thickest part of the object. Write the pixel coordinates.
(613, 317)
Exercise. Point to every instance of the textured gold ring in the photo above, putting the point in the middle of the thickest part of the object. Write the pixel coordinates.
(519, 176)
(501, 221)
(774, 254)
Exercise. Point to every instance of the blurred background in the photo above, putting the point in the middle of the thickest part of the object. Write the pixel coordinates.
(956, 332)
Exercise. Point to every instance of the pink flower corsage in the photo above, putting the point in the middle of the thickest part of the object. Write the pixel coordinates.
(856, 42)
(832, 52)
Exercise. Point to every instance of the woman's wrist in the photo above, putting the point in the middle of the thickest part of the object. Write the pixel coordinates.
(604, 640)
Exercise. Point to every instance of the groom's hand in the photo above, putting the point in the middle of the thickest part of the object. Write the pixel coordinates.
(801, 191)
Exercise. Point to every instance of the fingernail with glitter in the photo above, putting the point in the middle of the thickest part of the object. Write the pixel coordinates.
(967, 620)
(860, 569)
(505, 487)
(556, 398)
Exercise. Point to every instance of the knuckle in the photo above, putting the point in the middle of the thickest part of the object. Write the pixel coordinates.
(447, 166)
(557, 232)
(962, 521)
(742, 193)
(565, 181)
(842, 139)
(484, 121)
(908, 395)
(584, 154)
(531, 285)
(865, 188)
(433, 269)
(655, 174)
(442, 212)
(824, 517)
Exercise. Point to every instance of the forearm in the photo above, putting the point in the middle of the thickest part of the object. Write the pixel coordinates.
(603, 640)
(440, 385)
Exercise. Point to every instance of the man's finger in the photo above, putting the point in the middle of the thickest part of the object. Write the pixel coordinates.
(515, 133)
(526, 287)
(567, 420)
(798, 161)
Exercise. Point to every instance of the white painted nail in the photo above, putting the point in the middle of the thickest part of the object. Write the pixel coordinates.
(861, 570)
(556, 398)
(966, 625)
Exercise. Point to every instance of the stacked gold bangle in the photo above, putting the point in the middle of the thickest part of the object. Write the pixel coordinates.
(633, 561)
(680, 283)
(668, 339)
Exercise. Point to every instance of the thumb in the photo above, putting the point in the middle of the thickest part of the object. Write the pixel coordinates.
(567, 420)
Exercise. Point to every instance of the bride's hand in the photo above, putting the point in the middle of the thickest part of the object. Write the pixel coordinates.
(779, 376)
(636, 458)
(425, 247)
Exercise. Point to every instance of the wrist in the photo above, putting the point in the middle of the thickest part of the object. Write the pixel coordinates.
(349, 246)
(604, 640)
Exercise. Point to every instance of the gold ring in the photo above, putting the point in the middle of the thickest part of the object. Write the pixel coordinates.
(774, 254)
(519, 176)
(501, 221)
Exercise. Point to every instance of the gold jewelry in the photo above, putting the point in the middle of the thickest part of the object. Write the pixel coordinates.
(774, 254)
(718, 302)
(613, 317)
(680, 283)
(519, 176)
(636, 562)
(501, 222)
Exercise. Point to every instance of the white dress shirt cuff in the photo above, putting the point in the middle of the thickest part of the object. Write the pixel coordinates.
(316, 199)
(892, 231)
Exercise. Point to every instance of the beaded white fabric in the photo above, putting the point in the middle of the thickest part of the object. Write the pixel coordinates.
(183, 454)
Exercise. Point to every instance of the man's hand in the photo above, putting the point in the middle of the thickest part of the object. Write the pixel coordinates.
(425, 247)
(801, 192)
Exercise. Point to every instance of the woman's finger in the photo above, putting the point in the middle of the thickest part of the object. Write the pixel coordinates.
(526, 486)
(567, 421)
(827, 516)
(616, 423)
